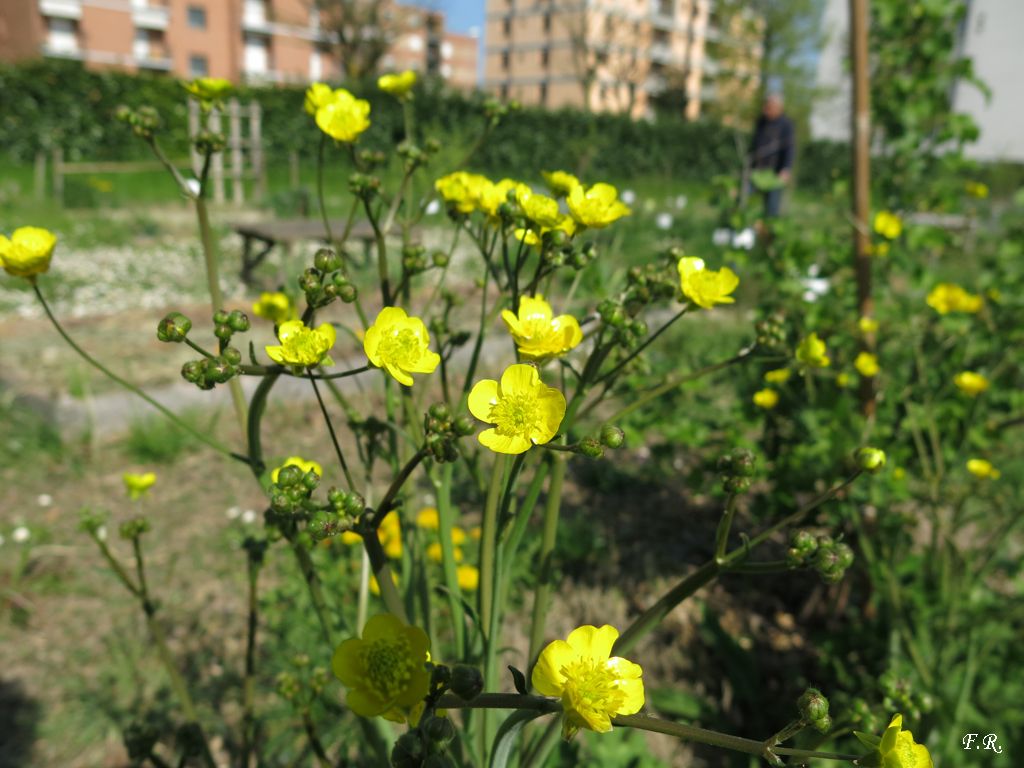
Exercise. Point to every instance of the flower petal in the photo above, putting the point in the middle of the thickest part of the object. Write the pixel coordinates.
(519, 378)
(400, 376)
(510, 444)
(483, 395)
(346, 662)
(595, 642)
(547, 675)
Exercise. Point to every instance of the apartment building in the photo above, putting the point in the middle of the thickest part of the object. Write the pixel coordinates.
(605, 55)
(256, 41)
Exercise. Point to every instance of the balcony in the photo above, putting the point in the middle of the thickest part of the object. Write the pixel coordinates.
(254, 17)
(153, 63)
(150, 16)
(661, 53)
(61, 9)
(61, 52)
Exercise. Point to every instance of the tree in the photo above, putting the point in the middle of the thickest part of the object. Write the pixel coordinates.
(361, 30)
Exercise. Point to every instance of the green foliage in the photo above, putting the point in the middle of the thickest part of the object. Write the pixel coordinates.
(156, 440)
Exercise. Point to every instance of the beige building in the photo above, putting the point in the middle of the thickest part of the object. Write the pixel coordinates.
(278, 41)
(606, 55)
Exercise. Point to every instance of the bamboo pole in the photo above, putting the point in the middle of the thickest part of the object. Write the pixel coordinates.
(861, 147)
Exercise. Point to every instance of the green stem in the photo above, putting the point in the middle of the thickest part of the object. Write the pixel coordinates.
(546, 558)
(334, 437)
(488, 582)
(249, 684)
(382, 572)
(647, 342)
(316, 593)
(446, 521)
(320, 191)
(314, 740)
(127, 385)
(724, 526)
(382, 256)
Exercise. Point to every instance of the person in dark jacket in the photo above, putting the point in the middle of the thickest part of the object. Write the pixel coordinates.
(773, 148)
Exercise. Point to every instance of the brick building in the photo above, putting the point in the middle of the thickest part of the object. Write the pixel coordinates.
(278, 41)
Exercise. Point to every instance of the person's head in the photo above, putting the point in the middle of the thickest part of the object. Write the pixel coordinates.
(772, 106)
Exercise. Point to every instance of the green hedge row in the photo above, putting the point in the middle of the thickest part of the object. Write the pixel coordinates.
(51, 103)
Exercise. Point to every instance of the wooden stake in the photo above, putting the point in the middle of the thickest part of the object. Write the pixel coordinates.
(237, 169)
(217, 166)
(861, 146)
(256, 149)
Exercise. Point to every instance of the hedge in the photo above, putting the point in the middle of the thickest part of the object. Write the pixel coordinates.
(49, 103)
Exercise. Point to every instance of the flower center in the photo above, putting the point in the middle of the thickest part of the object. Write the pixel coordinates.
(400, 347)
(388, 664)
(515, 414)
(591, 686)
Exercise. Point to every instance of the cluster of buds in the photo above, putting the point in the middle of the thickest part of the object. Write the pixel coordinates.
(371, 158)
(828, 557)
(414, 259)
(593, 447)
(325, 281)
(209, 142)
(628, 331)
(414, 156)
(495, 110)
(364, 186)
(737, 468)
(900, 695)
(343, 507)
(771, 332)
(134, 528)
(290, 494)
(305, 683)
(813, 708)
(442, 430)
(651, 283)
(145, 121)
(427, 745)
(207, 372)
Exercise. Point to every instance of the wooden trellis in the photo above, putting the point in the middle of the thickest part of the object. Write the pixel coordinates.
(243, 150)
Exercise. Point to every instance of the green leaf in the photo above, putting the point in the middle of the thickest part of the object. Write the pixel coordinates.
(868, 740)
(505, 738)
(672, 702)
(519, 680)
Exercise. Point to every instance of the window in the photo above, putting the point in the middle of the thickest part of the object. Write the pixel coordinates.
(198, 66)
(545, 58)
(507, 27)
(197, 17)
(504, 60)
(504, 92)
(316, 65)
(547, 22)
(256, 56)
(61, 35)
(140, 45)
(543, 94)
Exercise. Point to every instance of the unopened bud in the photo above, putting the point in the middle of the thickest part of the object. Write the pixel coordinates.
(467, 682)
(173, 328)
(612, 436)
(812, 705)
(327, 260)
(871, 459)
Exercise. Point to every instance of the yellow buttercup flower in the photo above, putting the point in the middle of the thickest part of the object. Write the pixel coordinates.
(385, 670)
(540, 209)
(374, 585)
(561, 183)
(208, 89)
(871, 459)
(706, 287)
(317, 95)
(400, 344)
(888, 225)
(436, 554)
(896, 748)
(867, 325)
(389, 534)
(274, 306)
(843, 380)
(344, 116)
(398, 85)
(463, 190)
(527, 236)
(523, 410)
(766, 398)
(597, 206)
(301, 463)
(468, 577)
(971, 383)
(950, 297)
(302, 347)
(866, 365)
(28, 251)
(812, 352)
(428, 518)
(593, 685)
(777, 376)
(976, 189)
(537, 333)
(138, 485)
(982, 468)
(491, 195)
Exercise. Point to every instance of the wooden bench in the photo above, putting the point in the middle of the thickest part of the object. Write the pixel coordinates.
(259, 239)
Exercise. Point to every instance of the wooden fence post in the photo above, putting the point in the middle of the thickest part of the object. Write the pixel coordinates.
(237, 170)
(39, 180)
(217, 165)
(256, 149)
(58, 175)
(193, 131)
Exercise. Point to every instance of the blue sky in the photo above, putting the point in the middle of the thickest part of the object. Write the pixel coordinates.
(460, 15)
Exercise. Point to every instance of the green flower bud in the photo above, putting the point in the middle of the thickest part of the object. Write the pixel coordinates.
(232, 356)
(871, 459)
(223, 331)
(590, 448)
(812, 705)
(578, 260)
(90, 521)
(440, 411)
(612, 436)
(193, 371)
(289, 476)
(220, 317)
(467, 682)
(288, 687)
(439, 259)
(311, 480)
(173, 328)
(844, 555)
(238, 321)
(354, 504)
(804, 542)
(459, 338)
(219, 371)
(408, 751)
(638, 328)
(134, 528)
(824, 724)
(348, 293)
(463, 426)
(327, 260)
(336, 498)
(439, 730)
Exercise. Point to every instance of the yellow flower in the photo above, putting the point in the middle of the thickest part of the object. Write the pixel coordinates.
(866, 365)
(777, 376)
(527, 236)
(28, 251)
(428, 518)
(301, 463)
(867, 325)
(208, 89)
(344, 116)
(970, 383)
(766, 398)
(400, 344)
(490, 195)
(560, 183)
(950, 297)
(374, 585)
(302, 347)
(871, 459)
(593, 685)
(539, 335)
(843, 380)
(436, 554)
(982, 468)
(276, 307)
(976, 189)
(896, 748)
(540, 209)
(398, 85)
(898, 473)
(888, 225)
(475, 533)
(597, 206)
(389, 534)
(706, 287)
(812, 352)
(385, 670)
(523, 410)
(317, 95)
(138, 485)
(468, 577)
(464, 190)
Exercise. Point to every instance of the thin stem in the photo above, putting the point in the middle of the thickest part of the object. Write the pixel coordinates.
(316, 594)
(320, 190)
(314, 740)
(542, 596)
(722, 535)
(446, 521)
(334, 437)
(198, 348)
(479, 342)
(488, 582)
(382, 572)
(382, 256)
(127, 385)
(267, 370)
(249, 684)
(646, 343)
(388, 501)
